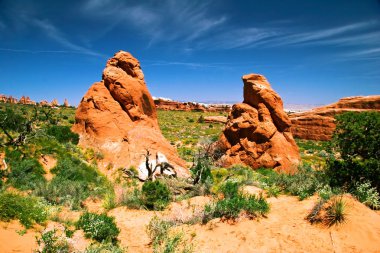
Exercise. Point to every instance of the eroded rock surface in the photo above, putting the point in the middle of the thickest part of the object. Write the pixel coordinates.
(257, 132)
(319, 123)
(117, 116)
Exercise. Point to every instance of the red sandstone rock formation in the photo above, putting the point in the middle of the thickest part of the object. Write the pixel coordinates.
(318, 124)
(44, 103)
(3, 98)
(257, 132)
(54, 103)
(66, 103)
(118, 117)
(26, 101)
(12, 100)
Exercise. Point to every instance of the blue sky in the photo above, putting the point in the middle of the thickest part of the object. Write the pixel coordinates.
(312, 52)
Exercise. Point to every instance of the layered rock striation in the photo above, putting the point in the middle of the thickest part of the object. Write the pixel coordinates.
(319, 123)
(117, 116)
(257, 132)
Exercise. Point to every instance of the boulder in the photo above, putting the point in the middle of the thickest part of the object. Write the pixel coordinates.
(319, 123)
(215, 119)
(117, 116)
(257, 132)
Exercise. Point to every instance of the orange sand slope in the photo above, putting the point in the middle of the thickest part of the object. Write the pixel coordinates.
(11, 241)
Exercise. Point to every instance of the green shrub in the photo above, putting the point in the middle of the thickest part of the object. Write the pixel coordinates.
(74, 181)
(132, 199)
(336, 212)
(345, 173)
(201, 171)
(234, 203)
(104, 248)
(99, 227)
(164, 241)
(229, 189)
(51, 243)
(26, 174)
(231, 208)
(367, 194)
(155, 195)
(63, 134)
(26, 209)
(158, 230)
(357, 140)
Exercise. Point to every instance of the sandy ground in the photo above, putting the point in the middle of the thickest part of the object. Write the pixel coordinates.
(284, 230)
(12, 242)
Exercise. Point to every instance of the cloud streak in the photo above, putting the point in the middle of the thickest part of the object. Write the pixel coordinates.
(166, 21)
(55, 34)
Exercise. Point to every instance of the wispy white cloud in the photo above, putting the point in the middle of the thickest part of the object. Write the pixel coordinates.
(163, 21)
(55, 34)
(328, 35)
(238, 38)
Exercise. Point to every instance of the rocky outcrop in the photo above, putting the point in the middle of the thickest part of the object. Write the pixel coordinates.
(66, 103)
(26, 101)
(54, 103)
(44, 103)
(171, 105)
(117, 116)
(257, 132)
(319, 123)
(215, 119)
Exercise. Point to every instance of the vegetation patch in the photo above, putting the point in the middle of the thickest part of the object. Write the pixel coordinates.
(234, 203)
(99, 227)
(155, 195)
(27, 210)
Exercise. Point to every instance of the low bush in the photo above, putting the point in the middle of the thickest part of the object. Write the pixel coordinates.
(26, 174)
(99, 227)
(234, 203)
(104, 248)
(367, 194)
(328, 211)
(163, 240)
(336, 212)
(155, 195)
(132, 198)
(50, 242)
(63, 134)
(74, 181)
(303, 184)
(26, 209)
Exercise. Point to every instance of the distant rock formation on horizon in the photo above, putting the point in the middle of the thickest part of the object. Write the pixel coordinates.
(319, 123)
(117, 116)
(25, 100)
(257, 132)
(171, 105)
